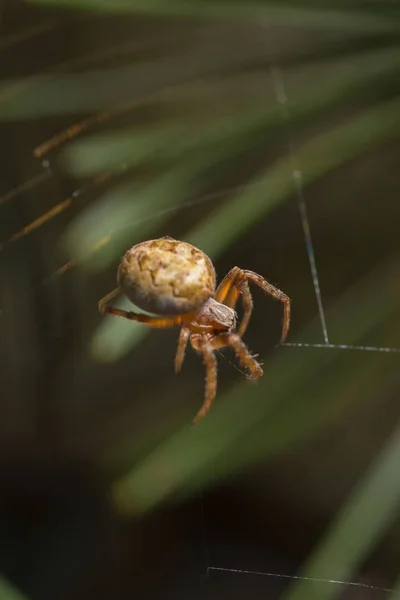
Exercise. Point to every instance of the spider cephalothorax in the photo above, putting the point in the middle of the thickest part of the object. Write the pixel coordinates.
(177, 282)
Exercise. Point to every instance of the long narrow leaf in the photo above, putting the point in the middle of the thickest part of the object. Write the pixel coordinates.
(365, 518)
(354, 79)
(349, 19)
(10, 592)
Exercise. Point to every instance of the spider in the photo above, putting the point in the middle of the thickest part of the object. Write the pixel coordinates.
(176, 282)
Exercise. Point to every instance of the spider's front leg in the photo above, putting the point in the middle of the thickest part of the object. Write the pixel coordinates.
(231, 287)
(275, 293)
(236, 282)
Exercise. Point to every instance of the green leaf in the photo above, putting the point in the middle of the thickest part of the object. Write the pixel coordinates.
(9, 592)
(125, 215)
(163, 79)
(295, 13)
(371, 74)
(319, 156)
(368, 514)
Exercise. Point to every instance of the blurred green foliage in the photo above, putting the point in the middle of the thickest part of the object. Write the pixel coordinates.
(344, 71)
(341, 98)
(9, 592)
(349, 15)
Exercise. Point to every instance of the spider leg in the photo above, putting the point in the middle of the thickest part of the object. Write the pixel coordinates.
(141, 318)
(233, 284)
(228, 292)
(242, 352)
(229, 286)
(247, 300)
(211, 380)
(184, 336)
(275, 293)
(101, 303)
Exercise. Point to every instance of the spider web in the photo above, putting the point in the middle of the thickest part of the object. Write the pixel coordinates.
(45, 173)
(281, 97)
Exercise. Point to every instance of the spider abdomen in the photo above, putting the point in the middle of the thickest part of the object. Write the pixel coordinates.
(166, 276)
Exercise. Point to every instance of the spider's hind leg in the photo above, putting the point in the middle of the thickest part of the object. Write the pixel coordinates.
(102, 303)
(156, 321)
(184, 336)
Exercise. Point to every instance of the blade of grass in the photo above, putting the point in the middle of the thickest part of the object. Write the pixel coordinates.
(104, 89)
(316, 158)
(328, 17)
(9, 592)
(354, 79)
(371, 509)
(123, 216)
(395, 595)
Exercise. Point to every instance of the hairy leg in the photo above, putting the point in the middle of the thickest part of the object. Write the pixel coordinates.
(228, 292)
(235, 283)
(132, 316)
(211, 381)
(101, 303)
(275, 293)
(180, 352)
(242, 352)
(247, 300)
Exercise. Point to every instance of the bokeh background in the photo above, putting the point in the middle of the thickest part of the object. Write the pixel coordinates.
(268, 135)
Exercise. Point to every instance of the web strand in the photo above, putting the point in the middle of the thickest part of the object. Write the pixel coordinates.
(342, 347)
(300, 578)
(281, 97)
(205, 538)
(280, 94)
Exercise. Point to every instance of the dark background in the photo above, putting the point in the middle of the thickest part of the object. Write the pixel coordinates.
(71, 425)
